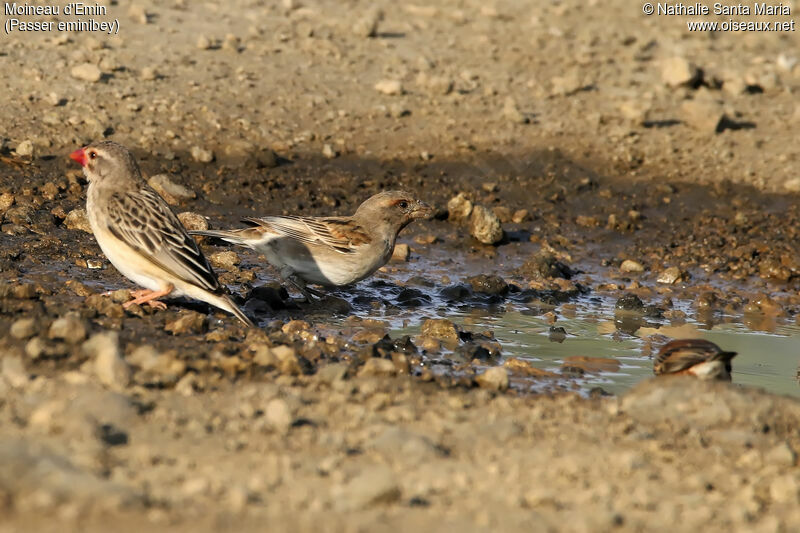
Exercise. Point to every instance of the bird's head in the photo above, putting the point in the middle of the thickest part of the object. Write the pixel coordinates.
(395, 208)
(105, 161)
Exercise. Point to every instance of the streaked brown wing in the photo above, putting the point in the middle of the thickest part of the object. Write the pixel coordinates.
(143, 220)
(341, 234)
(679, 355)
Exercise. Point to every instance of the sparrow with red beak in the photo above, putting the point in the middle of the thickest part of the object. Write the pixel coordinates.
(140, 234)
(697, 357)
(330, 251)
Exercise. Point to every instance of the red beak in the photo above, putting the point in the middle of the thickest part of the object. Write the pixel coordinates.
(79, 155)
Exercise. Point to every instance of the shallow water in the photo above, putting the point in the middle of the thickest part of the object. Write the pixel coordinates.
(766, 360)
(768, 347)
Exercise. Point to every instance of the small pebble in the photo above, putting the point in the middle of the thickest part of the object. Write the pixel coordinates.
(25, 149)
(193, 221)
(86, 72)
(630, 265)
(148, 74)
(459, 207)
(329, 152)
(226, 260)
(389, 87)
(495, 378)
(485, 226)
(77, 220)
(23, 328)
(677, 71)
(202, 155)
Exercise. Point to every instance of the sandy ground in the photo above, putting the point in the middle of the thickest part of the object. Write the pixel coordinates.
(623, 136)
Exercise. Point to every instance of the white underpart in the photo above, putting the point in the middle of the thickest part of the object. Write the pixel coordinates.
(710, 370)
(347, 268)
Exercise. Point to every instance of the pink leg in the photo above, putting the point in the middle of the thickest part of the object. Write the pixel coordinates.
(135, 294)
(149, 298)
(141, 292)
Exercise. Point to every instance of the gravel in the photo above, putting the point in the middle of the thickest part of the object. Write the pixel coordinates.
(77, 220)
(485, 226)
(106, 359)
(86, 72)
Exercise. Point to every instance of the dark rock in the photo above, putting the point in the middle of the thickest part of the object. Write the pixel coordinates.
(273, 297)
(334, 305)
(455, 293)
(440, 328)
(386, 346)
(420, 281)
(488, 284)
(653, 311)
(544, 265)
(472, 351)
(412, 298)
(572, 371)
(599, 392)
(557, 334)
(629, 302)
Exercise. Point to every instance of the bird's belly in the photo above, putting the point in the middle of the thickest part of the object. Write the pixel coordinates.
(323, 270)
(319, 264)
(326, 272)
(130, 263)
(341, 273)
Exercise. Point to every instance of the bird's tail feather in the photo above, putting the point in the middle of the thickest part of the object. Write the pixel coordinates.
(223, 301)
(229, 236)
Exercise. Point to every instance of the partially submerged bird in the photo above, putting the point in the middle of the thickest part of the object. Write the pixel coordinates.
(140, 234)
(696, 357)
(330, 251)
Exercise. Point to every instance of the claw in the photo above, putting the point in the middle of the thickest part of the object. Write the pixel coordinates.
(149, 297)
(157, 304)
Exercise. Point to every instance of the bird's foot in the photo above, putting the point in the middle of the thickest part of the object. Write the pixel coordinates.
(141, 293)
(318, 294)
(149, 297)
(307, 292)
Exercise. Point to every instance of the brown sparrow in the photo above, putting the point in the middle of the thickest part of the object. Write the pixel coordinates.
(141, 236)
(330, 251)
(695, 357)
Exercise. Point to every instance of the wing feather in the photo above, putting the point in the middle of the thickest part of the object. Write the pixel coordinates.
(143, 221)
(341, 234)
(679, 355)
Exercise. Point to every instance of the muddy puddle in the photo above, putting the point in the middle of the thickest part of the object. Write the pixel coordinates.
(730, 249)
(584, 344)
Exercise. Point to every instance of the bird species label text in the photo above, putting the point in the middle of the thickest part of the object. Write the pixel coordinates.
(21, 17)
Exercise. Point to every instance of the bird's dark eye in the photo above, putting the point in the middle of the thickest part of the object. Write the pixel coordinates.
(403, 204)
(92, 155)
